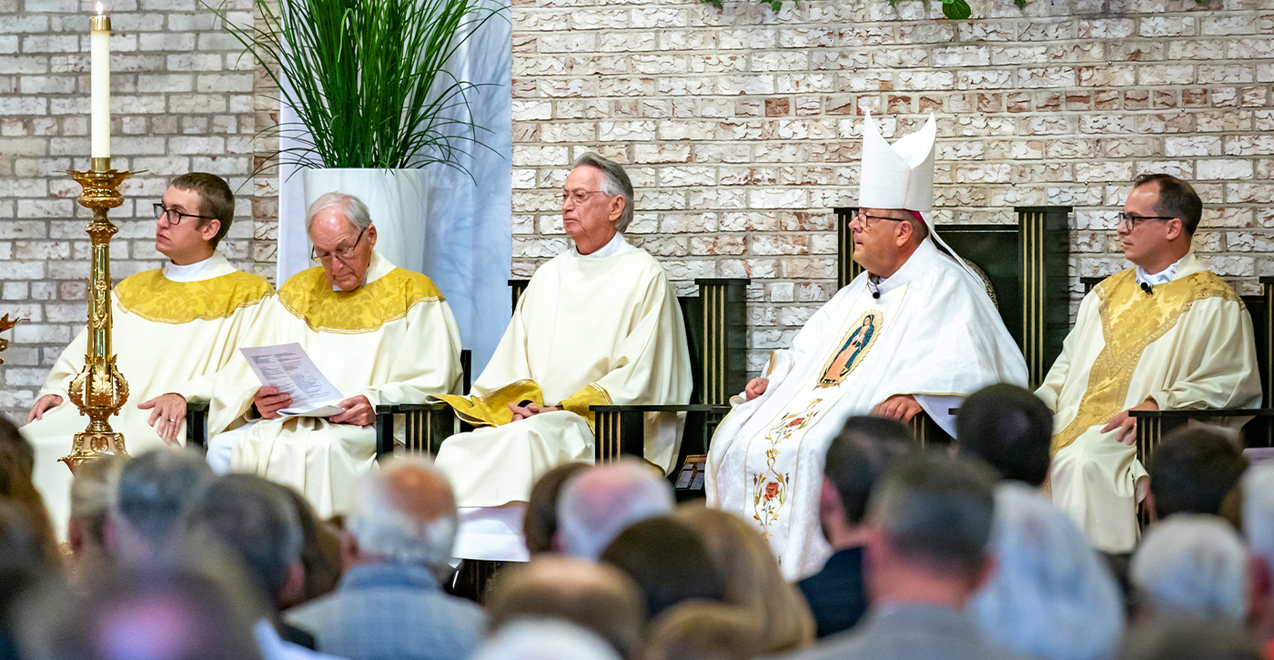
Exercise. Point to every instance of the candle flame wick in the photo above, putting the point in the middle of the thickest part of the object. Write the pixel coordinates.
(100, 11)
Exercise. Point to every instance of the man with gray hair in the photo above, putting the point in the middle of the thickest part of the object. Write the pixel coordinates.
(388, 603)
(927, 554)
(1194, 566)
(598, 324)
(154, 491)
(377, 332)
(602, 502)
(1258, 527)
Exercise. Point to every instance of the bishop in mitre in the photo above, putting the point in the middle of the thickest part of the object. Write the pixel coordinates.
(379, 333)
(169, 326)
(598, 324)
(915, 331)
(1164, 334)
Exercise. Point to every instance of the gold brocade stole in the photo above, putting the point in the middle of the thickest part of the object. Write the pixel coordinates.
(156, 298)
(308, 296)
(1131, 321)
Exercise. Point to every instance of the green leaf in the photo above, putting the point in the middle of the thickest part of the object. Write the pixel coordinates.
(1021, 4)
(956, 10)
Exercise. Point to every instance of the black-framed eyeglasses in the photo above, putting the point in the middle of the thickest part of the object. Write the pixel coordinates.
(176, 217)
(863, 219)
(578, 196)
(1130, 221)
(342, 255)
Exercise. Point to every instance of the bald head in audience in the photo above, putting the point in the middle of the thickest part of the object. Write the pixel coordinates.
(596, 596)
(600, 503)
(1191, 566)
(404, 512)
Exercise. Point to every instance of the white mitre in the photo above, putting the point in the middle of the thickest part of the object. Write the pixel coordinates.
(900, 176)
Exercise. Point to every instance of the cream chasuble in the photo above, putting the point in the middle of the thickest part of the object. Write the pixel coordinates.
(1187, 345)
(169, 326)
(587, 331)
(932, 332)
(392, 340)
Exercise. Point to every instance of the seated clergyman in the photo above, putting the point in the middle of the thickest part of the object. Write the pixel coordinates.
(169, 326)
(377, 332)
(598, 324)
(916, 330)
(1166, 334)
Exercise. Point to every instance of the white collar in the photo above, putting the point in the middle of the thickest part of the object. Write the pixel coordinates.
(614, 247)
(214, 266)
(1162, 277)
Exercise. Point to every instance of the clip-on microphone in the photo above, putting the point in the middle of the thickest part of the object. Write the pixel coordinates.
(1150, 291)
(873, 287)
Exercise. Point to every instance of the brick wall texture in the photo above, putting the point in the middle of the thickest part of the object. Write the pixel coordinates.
(740, 125)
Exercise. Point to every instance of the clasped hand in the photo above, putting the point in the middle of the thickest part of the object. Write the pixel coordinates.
(530, 410)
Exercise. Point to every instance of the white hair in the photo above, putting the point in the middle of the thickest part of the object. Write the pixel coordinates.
(545, 639)
(603, 501)
(382, 528)
(615, 181)
(1192, 565)
(352, 207)
(1051, 597)
(1258, 511)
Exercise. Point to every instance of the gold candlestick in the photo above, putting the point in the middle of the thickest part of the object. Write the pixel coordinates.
(99, 391)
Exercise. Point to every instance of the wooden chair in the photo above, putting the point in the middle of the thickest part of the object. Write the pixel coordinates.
(1031, 290)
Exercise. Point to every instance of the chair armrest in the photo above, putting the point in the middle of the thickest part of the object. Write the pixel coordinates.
(621, 430)
(1152, 425)
(427, 425)
(197, 424)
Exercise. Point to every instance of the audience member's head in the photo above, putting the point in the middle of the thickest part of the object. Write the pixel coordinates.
(1193, 471)
(135, 613)
(1191, 566)
(252, 518)
(1010, 429)
(750, 579)
(667, 560)
(1189, 640)
(17, 489)
(404, 512)
(1258, 527)
(864, 449)
(92, 492)
(1051, 596)
(599, 503)
(14, 449)
(931, 519)
(25, 562)
(702, 630)
(545, 639)
(320, 550)
(540, 524)
(596, 596)
(154, 491)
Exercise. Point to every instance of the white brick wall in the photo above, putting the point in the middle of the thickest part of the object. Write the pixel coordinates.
(741, 126)
(182, 100)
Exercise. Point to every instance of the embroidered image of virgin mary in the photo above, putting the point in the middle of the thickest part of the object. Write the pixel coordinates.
(851, 351)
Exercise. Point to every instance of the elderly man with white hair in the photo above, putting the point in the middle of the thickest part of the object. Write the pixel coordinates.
(1051, 596)
(598, 324)
(377, 332)
(1191, 566)
(604, 501)
(389, 604)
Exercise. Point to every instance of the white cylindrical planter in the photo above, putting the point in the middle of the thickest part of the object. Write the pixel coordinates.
(397, 201)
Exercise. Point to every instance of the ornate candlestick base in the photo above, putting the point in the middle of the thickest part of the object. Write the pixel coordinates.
(99, 391)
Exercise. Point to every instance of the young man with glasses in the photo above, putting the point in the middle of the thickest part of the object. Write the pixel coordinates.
(1167, 333)
(915, 331)
(171, 325)
(379, 333)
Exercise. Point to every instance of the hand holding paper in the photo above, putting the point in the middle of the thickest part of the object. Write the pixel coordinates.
(289, 370)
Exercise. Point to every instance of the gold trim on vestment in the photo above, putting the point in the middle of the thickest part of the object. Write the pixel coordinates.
(1131, 321)
(309, 297)
(158, 299)
(493, 409)
(589, 395)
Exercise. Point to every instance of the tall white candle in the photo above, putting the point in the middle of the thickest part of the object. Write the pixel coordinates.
(100, 47)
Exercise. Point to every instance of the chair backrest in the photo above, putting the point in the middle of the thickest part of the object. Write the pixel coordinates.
(1027, 266)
